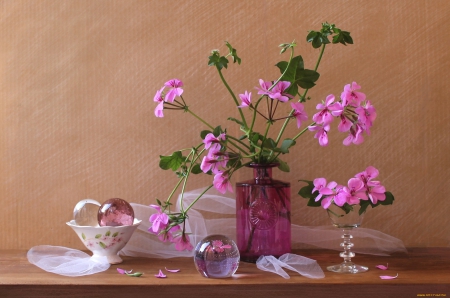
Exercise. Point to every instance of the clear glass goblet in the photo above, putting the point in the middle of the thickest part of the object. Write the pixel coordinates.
(346, 222)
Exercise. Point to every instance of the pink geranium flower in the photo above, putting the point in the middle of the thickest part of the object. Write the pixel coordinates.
(159, 220)
(160, 100)
(355, 191)
(159, 110)
(299, 113)
(212, 163)
(351, 96)
(377, 193)
(168, 234)
(182, 242)
(355, 136)
(366, 115)
(375, 190)
(367, 175)
(211, 139)
(174, 90)
(319, 183)
(345, 123)
(278, 92)
(325, 115)
(321, 133)
(264, 90)
(222, 183)
(246, 99)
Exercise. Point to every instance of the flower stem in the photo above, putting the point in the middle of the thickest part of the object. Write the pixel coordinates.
(297, 136)
(199, 196)
(262, 144)
(301, 98)
(203, 121)
(194, 159)
(232, 95)
(174, 189)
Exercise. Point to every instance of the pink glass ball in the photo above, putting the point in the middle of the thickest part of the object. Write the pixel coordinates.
(115, 212)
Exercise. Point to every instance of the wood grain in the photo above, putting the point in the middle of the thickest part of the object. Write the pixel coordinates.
(421, 271)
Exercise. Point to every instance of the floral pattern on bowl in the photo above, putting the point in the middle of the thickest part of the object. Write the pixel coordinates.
(105, 241)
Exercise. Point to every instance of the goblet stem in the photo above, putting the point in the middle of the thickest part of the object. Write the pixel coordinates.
(347, 266)
(347, 244)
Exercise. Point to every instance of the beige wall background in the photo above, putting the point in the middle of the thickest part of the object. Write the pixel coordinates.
(77, 80)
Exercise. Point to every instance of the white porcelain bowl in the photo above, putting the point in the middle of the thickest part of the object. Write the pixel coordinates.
(105, 241)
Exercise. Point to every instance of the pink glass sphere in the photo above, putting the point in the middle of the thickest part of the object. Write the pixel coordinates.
(115, 212)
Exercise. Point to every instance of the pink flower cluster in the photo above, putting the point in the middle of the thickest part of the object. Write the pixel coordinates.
(160, 226)
(216, 161)
(355, 112)
(361, 187)
(175, 90)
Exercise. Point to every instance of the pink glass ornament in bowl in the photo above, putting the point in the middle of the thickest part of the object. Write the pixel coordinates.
(115, 212)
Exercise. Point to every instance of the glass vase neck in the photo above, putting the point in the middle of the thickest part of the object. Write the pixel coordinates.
(262, 172)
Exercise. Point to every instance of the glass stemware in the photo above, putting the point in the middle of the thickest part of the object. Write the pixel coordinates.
(346, 222)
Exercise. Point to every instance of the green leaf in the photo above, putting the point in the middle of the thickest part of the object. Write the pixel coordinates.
(295, 65)
(269, 144)
(108, 233)
(115, 234)
(297, 75)
(233, 53)
(172, 162)
(236, 120)
(316, 42)
(306, 192)
(347, 208)
(389, 200)
(216, 60)
(287, 143)
(283, 165)
(255, 137)
(98, 236)
(347, 37)
(305, 78)
(311, 36)
(103, 245)
(196, 169)
(158, 202)
(217, 131)
(83, 236)
(364, 204)
(203, 133)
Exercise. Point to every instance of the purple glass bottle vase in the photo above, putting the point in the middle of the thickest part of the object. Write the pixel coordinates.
(263, 215)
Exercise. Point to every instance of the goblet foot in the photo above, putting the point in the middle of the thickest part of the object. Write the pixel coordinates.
(347, 268)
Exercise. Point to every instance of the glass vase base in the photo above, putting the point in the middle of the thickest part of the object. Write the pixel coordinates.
(346, 268)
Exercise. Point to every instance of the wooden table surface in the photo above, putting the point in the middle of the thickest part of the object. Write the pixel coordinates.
(423, 272)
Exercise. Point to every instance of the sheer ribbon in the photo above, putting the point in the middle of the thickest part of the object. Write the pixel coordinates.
(143, 243)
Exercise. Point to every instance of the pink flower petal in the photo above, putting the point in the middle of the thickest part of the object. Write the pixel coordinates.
(122, 271)
(382, 267)
(172, 270)
(388, 277)
(160, 274)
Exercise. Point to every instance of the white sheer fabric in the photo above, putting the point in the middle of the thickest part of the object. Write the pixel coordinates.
(66, 261)
(143, 243)
(302, 265)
